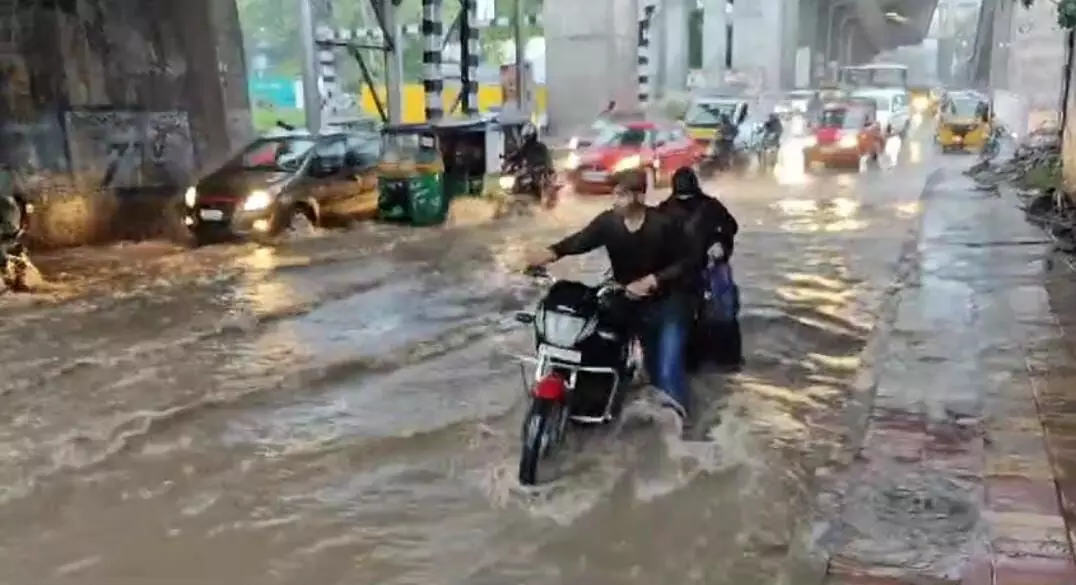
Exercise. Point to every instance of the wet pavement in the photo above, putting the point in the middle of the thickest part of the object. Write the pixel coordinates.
(343, 409)
(953, 481)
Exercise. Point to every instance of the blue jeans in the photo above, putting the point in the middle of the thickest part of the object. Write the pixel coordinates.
(664, 337)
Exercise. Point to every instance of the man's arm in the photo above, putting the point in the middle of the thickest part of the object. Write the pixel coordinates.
(589, 238)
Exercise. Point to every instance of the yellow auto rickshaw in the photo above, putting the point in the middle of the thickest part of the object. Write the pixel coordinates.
(965, 123)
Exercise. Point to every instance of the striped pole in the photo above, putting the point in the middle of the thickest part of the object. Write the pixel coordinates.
(327, 71)
(643, 48)
(433, 83)
(469, 51)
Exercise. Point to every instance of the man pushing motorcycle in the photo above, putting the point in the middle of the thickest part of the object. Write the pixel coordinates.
(652, 258)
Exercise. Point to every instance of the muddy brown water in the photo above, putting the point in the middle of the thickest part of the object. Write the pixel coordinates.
(344, 409)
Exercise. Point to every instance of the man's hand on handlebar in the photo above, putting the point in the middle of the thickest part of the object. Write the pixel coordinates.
(539, 258)
(643, 287)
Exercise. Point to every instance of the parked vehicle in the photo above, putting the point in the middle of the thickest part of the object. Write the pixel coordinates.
(650, 149)
(287, 182)
(584, 363)
(844, 134)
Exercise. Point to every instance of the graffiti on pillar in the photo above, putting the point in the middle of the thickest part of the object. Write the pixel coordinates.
(120, 149)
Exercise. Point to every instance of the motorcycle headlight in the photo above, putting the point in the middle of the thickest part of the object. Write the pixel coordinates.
(627, 164)
(573, 143)
(573, 162)
(564, 330)
(190, 197)
(921, 103)
(257, 201)
(848, 141)
(507, 182)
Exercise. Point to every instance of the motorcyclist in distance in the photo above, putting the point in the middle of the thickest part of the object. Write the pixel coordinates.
(651, 257)
(533, 157)
(725, 139)
(773, 129)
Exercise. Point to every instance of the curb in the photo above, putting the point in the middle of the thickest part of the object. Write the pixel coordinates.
(809, 557)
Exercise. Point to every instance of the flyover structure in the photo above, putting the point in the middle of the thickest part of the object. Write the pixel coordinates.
(771, 44)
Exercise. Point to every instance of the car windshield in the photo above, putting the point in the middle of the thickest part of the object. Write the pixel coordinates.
(276, 154)
(838, 118)
(625, 137)
(701, 113)
(963, 107)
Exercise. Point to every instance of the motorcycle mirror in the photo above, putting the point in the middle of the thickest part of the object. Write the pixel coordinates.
(525, 318)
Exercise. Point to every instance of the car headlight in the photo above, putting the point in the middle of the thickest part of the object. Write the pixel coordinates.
(191, 196)
(572, 162)
(627, 164)
(849, 141)
(257, 201)
(507, 182)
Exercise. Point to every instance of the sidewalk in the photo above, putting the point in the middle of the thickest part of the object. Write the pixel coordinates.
(954, 481)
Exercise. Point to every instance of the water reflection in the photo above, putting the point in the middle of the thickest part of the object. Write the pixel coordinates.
(837, 214)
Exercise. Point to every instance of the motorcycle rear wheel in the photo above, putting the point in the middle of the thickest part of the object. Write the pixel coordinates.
(541, 433)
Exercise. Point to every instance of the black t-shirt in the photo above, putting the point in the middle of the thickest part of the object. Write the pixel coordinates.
(659, 247)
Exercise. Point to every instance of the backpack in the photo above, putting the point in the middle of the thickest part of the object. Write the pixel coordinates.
(721, 295)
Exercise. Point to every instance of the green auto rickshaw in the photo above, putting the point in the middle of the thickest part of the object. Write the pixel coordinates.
(424, 166)
(410, 176)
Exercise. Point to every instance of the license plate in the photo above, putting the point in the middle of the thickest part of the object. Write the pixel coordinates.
(565, 355)
(211, 214)
(595, 176)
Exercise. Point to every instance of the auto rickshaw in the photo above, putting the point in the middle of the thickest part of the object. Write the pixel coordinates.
(424, 166)
(965, 123)
(411, 175)
(702, 116)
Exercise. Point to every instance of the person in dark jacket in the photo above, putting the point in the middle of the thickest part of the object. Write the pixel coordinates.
(651, 257)
(713, 230)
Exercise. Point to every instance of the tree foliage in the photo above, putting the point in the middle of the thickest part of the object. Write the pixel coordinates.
(271, 28)
(1066, 11)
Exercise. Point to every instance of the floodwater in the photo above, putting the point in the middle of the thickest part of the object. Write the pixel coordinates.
(344, 409)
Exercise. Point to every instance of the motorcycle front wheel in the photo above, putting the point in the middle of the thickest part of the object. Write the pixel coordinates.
(542, 430)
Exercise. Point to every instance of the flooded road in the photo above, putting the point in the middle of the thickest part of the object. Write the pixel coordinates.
(343, 409)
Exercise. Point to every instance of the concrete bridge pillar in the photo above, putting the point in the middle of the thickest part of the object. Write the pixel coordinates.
(83, 75)
(756, 42)
(590, 58)
(715, 42)
(671, 28)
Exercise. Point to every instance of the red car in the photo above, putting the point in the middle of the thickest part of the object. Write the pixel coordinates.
(843, 134)
(648, 148)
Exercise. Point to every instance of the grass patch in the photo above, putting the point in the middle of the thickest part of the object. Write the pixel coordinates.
(1042, 178)
(265, 119)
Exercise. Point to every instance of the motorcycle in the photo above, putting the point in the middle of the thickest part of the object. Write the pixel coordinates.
(15, 265)
(585, 359)
(537, 183)
(765, 148)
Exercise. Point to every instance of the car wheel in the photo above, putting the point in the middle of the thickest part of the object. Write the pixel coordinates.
(300, 222)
